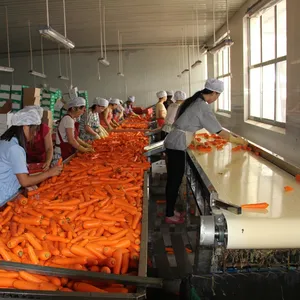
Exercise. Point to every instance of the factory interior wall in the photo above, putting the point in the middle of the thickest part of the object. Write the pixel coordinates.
(146, 72)
(285, 144)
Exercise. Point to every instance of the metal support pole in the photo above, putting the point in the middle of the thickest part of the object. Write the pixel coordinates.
(190, 71)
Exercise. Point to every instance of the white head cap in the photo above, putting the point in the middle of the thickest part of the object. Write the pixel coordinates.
(100, 101)
(26, 117)
(76, 102)
(39, 109)
(161, 94)
(170, 93)
(131, 98)
(114, 101)
(214, 85)
(180, 95)
(121, 102)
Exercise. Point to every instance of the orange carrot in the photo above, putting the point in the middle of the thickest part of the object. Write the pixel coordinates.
(136, 219)
(288, 188)
(12, 243)
(256, 205)
(105, 269)
(54, 238)
(43, 254)
(80, 251)
(5, 254)
(29, 277)
(85, 287)
(25, 285)
(118, 235)
(125, 263)
(33, 241)
(9, 274)
(7, 282)
(123, 244)
(32, 254)
(48, 286)
(117, 255)
(116, 290)
(70, 261)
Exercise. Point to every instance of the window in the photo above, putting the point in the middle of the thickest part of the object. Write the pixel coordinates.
(267, 65)
(223, 71)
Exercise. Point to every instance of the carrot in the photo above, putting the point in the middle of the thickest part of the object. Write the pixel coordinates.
(85, 287)
(7, 282)
(25, 285)
(12, 243)
(54, 238)
(66, 290)
(94, 269)
(21, 228)
(92, 224)
(94, 249)
(61, 207)
(80, 251)
(117, 255)
(18, 250)
(53, 250)
(6, 211)
(136, 220)
(116, 290)
(125, 263)
(105, 269)
(32, 254)
(35, 221)
(256, 205)
(48, 286)
(123, 244)
(39, 233)
(70, 261)
(33, 241)
(43, 254)
(288, 188)
(5, 254)
(107, 217)
(29, 277)
(298, 177)
(13, 229)
(118, 235)
(88, 203)
(9, 275)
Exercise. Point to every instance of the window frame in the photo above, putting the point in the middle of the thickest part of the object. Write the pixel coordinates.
(221, 77)
(274, 62)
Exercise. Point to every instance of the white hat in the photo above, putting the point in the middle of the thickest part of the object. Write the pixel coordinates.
(114, 101)
(26, 117)
(170, 93)
(121, 102)
(39, 109)
(131, 98)
(100, 101)
(180, 95)
(161, 94)
(76, 102)
(214, 85)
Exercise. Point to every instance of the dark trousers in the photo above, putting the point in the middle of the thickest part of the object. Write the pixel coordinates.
(175, 170)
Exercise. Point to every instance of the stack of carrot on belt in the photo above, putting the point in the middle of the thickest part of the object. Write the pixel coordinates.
(135, 122)
(88, 218)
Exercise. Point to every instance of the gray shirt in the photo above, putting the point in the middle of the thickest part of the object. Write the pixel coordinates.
(197, 116)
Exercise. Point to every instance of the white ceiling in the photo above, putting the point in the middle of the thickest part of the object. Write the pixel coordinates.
(141, 22)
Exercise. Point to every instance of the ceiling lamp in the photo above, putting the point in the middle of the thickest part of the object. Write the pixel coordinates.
(226, 43)
(185, 71)
(62, 77)
(51, 34)
(120, 72)
(37, 74)
(196, 63)
(102, 22)
(8, 69)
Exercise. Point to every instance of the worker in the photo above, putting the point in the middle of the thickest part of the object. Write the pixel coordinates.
(194, 114)
(160, 110)
(67, 136)
(40, 149)
(169, 101)
(179, 97)
(118, 112)
(106, 117)
(13, 165)
(129, 106)
(89, 126)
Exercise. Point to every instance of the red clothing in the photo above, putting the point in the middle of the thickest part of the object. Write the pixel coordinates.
(35, 150)
(160, 122)
(67, 149)
(102, 118)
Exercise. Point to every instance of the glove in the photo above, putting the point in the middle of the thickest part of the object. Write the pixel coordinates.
(97, 137)
(237, 140)
(84, 150)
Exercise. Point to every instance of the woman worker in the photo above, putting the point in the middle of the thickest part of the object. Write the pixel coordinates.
(128, 106)
(67, 136)
(89, 126)
(179, 97)
(160, 110)
(13, 165)
(106, 117)
(194, 114)
(169, 101)
(40, 149)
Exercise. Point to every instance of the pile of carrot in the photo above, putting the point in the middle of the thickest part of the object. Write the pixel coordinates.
(205, 142)
(88, 218)
(135, 122)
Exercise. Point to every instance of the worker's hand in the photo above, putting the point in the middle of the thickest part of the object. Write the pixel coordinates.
(46, 165)
(55, 171)
(237, 140)
(97, 137)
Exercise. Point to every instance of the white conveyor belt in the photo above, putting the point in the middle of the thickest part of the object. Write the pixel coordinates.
(241, 178)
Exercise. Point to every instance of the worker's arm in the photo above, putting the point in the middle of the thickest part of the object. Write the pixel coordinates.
(77, 144)
(114, 123)
(49, 150)
(89, 130)
(232, 138)
(105, 119)
(25, 180)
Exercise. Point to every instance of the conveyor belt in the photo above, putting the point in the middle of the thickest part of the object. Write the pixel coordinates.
(242, 177)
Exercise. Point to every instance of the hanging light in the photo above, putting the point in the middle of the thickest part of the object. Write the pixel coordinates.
(8, 69)
(51, 34)
(198, 61)
(32, 71)
(62, 77)
(120, 72)
(102, 19)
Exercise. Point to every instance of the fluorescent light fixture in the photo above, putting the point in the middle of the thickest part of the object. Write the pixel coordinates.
(37, 74)
(51, 34)
(184, 71)
(6, 69)
(120, 74)
(63, 77)
(259, 7)
(223, 44)
(196, 63)
(104, 61)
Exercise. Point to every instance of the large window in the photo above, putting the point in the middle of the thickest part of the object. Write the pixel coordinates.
(267, 65)
(223, 71)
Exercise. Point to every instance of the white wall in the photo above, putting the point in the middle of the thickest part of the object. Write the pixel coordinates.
(146, 72)
(285, 144)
